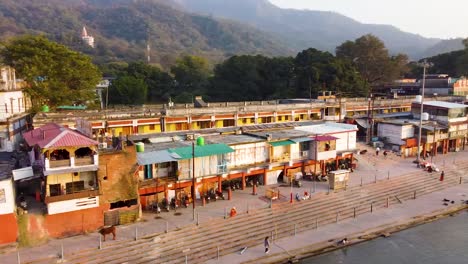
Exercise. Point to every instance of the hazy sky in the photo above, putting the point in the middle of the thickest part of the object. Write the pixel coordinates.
(429, 18)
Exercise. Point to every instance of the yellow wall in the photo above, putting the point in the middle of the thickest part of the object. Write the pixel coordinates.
(143, 129)
(219, 123)
(246, 121)
(171, 127)
(69, 177)
(115, 131)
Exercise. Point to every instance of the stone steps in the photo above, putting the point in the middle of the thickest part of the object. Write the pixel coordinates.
(249, 229)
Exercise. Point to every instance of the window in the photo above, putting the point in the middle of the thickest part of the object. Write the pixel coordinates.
(72, 187)
(228, 123)
(252, 120)
(55, 189)
(280, 118)
(151, 126)
(304, 146)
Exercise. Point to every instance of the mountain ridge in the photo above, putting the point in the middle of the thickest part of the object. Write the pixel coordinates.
(122, 29)
(323, 30)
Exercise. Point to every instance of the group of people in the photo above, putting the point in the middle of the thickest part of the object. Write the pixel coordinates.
(305, 197)
(377, 151)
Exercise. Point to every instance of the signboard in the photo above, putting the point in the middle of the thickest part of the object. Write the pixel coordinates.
(23, 173)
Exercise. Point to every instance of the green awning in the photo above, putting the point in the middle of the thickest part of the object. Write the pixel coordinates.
(301, 139)
(202, 151)
(282, 143)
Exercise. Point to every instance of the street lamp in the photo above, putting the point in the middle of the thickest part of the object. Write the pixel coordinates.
(425, 65)
(193, 178)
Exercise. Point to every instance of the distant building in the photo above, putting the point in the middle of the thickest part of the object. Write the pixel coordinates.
(14, 116)
(89, 40)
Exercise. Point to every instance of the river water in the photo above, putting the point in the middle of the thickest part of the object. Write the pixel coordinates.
(441, 242)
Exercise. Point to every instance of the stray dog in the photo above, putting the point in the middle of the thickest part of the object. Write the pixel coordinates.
(106, 231)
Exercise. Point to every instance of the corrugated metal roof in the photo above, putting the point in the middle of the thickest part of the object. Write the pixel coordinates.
(324, 138)
(444, 104)
(54, 135)
(328, 128)
(202, 151)
(301, 139)
(154, 157)
(282, 143)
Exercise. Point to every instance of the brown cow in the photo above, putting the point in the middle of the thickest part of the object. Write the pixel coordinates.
(106, 231)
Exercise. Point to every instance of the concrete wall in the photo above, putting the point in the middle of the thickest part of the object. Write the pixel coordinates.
(67, 224)
(9, 228)
(247, 154)
(72, 205)
(394, 133)
(117, 169)
(7, 197)
(11, 103)
(346, 141)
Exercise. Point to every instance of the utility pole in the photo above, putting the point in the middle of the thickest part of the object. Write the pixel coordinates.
(424, 64)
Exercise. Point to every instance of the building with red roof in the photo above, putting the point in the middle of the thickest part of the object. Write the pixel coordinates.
(68, 161)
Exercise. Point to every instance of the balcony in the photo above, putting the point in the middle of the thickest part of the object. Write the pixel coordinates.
(72, 196)
(84, 161)
(59, 163)
(71, 162)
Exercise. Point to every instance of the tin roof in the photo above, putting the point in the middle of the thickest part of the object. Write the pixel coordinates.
(53, 135)
(444, 104)
(328, 128)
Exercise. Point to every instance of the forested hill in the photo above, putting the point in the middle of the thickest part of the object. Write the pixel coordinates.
(121, 29)
(317, 29)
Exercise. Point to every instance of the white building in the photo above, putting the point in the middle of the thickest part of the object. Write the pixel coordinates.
(14, 105)
(87, 39)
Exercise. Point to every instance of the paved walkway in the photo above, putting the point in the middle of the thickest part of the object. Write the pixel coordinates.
(370, 167)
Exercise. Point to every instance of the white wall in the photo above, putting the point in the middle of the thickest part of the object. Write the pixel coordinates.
(6, 104)
(72, 205)
(247, 154)
(346, 141)
(7, 206)
(395, 133)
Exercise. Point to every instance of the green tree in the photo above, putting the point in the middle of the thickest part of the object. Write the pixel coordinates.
(159, 83)
(372, 59)
(128, 90)
(55, 74)
(317, 71)
(191, 74)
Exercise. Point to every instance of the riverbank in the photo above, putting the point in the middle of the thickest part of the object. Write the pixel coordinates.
(386, 221)
(385, 230)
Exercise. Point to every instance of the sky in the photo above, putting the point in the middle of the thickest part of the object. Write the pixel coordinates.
(429, 18)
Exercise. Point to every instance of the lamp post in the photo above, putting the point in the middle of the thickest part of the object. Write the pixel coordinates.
(424, 64)
(193, 178)
(434, 143)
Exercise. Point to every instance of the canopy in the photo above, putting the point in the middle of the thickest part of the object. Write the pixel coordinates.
(282, 143)
(301, 139)
(201, 151)
(155, 157)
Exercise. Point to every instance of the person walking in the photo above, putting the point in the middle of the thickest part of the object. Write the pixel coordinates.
(267, 245)
(442, 174)
(377, 150)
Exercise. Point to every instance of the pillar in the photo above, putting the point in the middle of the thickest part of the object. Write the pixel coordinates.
(243, 181)
(220, 183)
(264, 177)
